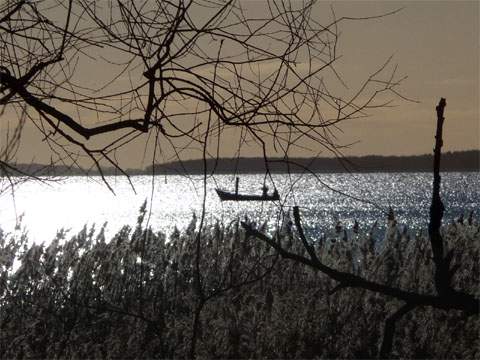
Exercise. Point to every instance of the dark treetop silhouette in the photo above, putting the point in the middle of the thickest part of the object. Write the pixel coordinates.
(180, 74)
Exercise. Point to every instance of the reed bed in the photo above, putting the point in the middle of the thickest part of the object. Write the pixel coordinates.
(133, 296)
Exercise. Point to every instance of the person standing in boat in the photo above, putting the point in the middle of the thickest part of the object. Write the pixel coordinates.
(264, 190)
(275, 193)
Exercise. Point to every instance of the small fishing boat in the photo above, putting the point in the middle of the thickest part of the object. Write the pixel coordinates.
(229, 196)
(225, 196)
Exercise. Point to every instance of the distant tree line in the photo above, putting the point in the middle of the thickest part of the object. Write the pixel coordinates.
(451, 161)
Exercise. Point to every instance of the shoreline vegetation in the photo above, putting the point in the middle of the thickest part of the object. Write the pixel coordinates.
(467, 161)
(132, 296)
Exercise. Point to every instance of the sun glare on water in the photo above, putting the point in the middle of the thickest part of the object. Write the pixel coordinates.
(72, 203)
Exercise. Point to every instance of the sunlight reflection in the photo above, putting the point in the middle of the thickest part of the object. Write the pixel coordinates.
(75, 201)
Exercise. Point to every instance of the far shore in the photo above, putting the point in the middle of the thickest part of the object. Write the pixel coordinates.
(458, 161)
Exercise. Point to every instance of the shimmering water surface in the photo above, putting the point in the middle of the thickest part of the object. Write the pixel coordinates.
(75, 201)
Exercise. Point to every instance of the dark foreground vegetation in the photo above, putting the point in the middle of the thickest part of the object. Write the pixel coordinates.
(134, 296)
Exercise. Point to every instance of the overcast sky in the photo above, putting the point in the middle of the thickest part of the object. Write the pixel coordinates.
(434, 43)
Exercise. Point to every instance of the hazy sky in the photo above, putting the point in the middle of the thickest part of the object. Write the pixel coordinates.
(435, 43)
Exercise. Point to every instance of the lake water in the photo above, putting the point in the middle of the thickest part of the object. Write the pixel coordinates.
(75, 201)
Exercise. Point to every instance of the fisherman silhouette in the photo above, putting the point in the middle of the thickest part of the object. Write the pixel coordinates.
(264, 190)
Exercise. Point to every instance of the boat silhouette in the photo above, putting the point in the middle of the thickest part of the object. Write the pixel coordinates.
(229, 196)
